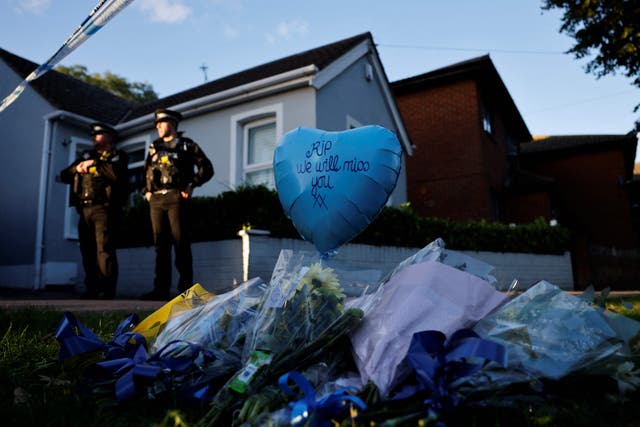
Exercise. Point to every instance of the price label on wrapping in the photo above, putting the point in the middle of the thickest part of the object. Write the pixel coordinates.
(244, 377)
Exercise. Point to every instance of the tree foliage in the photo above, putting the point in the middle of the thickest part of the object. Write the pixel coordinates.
(610, 29)
(133, 91)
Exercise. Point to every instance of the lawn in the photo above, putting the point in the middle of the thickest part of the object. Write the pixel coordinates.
(36, 389)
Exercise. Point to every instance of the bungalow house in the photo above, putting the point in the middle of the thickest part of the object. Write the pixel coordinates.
(237, 120)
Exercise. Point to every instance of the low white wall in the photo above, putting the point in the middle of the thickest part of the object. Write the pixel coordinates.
(216, 266)
(219, 265)
(528, 269)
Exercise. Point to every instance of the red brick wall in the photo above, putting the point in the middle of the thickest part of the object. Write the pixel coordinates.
(587, 194)
(455, 163)
(526, 208)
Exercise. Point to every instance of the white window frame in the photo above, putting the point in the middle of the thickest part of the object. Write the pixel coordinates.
(247, 167)
(76, 147)
(240, 125)
(136, 144)
(352, 123)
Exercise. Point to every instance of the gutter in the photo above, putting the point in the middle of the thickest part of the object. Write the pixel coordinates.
(278, 81)
(45, 166)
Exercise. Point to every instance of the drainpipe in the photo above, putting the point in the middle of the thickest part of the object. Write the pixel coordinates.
(45, 166)
(49, 129)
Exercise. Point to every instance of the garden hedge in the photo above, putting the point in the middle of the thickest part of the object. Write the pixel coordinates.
(257, 207)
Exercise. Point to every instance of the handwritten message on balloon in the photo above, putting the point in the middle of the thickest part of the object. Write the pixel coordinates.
(333, 184)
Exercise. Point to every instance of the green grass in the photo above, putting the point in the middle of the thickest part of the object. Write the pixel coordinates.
(37, 390)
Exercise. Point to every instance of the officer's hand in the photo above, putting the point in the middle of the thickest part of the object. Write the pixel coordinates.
(147, 196)
(187, 192)
(84, 165)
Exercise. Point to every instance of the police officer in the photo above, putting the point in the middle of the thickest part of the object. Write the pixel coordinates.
(174, 166)
(99, 180)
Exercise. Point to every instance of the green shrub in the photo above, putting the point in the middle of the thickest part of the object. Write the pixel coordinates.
(257, 207)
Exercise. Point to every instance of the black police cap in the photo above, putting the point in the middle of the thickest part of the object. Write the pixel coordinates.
(163, 115)
(97, 128)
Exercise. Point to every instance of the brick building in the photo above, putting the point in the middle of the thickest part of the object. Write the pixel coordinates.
(595, 194)
(474, 158)
(465, 129)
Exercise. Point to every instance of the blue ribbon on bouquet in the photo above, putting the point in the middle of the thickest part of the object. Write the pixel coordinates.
(74, 338)
(325, 409)
(141, 367)
(438, 362)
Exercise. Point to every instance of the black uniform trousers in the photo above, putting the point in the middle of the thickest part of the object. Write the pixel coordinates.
(169, 222)
(96, 229)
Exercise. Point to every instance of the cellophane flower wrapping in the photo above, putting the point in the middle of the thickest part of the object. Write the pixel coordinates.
(272, 407)
(218, 326)
(422, 293)
(153, 324)
(304, 299)
(301, 318)
(436, 251)
(550, 333)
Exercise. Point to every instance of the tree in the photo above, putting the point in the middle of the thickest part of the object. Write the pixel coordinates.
(611, 28)
(136, 91)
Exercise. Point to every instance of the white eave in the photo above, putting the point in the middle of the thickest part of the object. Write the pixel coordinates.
(292, 79)
(345, 61)
(308, 75)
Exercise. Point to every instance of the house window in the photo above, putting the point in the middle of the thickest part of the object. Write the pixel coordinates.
(352, 123)
(486, 121)
(77, 147)
(136, 150)
(260, 143)
(254, 136)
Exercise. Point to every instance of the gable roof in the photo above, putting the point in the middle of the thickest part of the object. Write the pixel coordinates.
(70, 94)
(73, 95)
(321, 57)
(480, 69)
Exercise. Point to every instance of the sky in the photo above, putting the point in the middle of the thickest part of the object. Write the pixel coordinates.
(174, 45)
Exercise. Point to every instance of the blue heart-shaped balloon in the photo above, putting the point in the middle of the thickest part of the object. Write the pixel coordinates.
(333, 184)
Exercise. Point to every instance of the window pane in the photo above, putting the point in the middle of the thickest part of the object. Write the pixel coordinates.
(136, 156)
(262, 177)
(136, 179)
(261, 144)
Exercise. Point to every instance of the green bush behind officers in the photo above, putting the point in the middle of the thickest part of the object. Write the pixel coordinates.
(174, 166)
(99, 180)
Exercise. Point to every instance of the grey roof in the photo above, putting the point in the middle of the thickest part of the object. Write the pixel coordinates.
(70, 94)
(480, 69)
(320, 57)
(73, 95)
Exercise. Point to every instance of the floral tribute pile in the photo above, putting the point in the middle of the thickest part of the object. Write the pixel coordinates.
(430, 343)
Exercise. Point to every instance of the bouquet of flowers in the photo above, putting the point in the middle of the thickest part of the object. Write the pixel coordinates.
(217, 328)
(301, 317)
(560, 348)
(550, 333)
(428, 295)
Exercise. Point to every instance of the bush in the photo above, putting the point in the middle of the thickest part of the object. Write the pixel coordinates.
(257, 207)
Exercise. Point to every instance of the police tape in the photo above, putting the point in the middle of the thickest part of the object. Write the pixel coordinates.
(97, 18)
